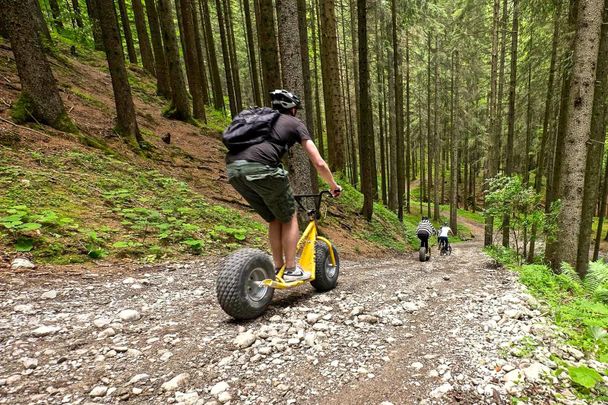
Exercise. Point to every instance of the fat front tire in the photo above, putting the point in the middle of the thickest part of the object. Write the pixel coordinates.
(326, 275)
(238, 290)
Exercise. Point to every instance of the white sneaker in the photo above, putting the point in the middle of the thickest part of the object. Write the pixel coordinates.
(295, 274)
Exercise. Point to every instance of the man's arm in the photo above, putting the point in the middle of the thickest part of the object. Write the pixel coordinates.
(319, 164)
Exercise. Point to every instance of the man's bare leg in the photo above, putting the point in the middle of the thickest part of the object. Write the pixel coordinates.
(289, 235)
(276, 242)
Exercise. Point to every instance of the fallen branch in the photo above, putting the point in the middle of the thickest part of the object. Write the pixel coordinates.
(24, 127)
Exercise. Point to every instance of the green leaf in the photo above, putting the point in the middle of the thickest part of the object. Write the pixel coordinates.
(30, 226)
(603, 358)
(597, 332)
(121, 245)
(584, 376)
(24, 244)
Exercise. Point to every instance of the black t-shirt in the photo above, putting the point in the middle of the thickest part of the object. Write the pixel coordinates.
(287, 131)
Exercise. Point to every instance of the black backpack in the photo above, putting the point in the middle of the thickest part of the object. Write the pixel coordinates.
(250, 127)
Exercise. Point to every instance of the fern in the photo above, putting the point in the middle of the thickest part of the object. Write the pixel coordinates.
(597, 278)
(569, 271)
(601, 294)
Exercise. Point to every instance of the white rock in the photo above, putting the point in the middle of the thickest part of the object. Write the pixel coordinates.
(166, 356)
(129, 315)
(49, 295)
(101, 322)
(310, 338)
(245, 339)
(220, 387)
(45, 330)
(409, 306)
(368, 319)
(137, 391)
(106, 333)
(535, 372)
(513, 376)
(98, 391)
(312, 318)
(320, 326)
(224, 397)
(577, 354)
(356, 311)
(417, 365)
(25, 308)
(187, 398)
(176, 382)
(29, 363)
(128, 280)
(441, 390)
(138, 378)
(20, 263)
(13, 379)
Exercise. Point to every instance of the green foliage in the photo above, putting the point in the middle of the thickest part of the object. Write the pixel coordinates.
(127, 211)
(217, 120)
(21, 109)
(596, 279)
(584, 376)
(507, 196)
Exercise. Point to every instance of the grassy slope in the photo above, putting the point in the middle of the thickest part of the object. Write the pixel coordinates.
(66, 202)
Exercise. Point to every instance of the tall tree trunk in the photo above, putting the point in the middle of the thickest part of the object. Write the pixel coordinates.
(39, 99)
(408, 148)
(200, 50)
(400, 164)
(578, 133)
(56, 12)
(366, 139)
(42, 28)
(95, 27)
(255, 81)
(540, 158)
(180, 106)
(595, 147)
(192, 61)
(126, 28)
(268, 49)
(77, 13)
(226, 57)
(126, 124)
(381, 112)
(511, 118)
(291, 63)
(493, 152)
(318, 122)
(163, 85)
(501, 79)
(429, 129)
(234, 68)
(526, 168)
(302, 24)
(602, 214)
(436, 139)
(552, 192)
(145, 49)
(216, 83)
(334, 114)
(454, 148)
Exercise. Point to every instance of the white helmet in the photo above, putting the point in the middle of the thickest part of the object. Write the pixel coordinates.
(284, 100)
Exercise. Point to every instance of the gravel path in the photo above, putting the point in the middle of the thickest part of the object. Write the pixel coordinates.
(395, 331)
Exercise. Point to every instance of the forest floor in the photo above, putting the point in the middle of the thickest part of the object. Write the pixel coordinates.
(457, 329)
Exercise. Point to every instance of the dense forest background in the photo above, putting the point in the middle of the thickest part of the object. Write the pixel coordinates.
(418, 104)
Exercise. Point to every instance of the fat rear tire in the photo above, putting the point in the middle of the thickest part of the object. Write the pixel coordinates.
(236, 288)
(326, 277)
(422, 254)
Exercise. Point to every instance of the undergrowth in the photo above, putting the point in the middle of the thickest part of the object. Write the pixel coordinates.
(578, 307)
(71, 206)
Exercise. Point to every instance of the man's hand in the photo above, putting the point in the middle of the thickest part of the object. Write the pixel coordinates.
(335, 191)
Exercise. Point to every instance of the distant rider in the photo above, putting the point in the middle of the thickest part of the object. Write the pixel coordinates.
(444, 231)
(424, 231)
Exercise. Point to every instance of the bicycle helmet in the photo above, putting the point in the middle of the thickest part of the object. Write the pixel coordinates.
(284, 100)
(425, 218)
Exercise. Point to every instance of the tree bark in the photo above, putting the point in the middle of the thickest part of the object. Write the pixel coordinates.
(578, 128)
(126, 124)
(255, 81)
(226, 57)
(56, 12)
(318, 122)
(77, 13)
(180, 106)
(216, 83)
(200, 50)
(600, 222)
(192, 61)
(291, 63)
(268, 49)
(42, 28)
(302, 24)
(400, 164)
(334, 114)
(493, 153)
(234, 68)
(39, 99)
(163, 85)
(595, 147)
(366, 139)
(145, 49)
(95, 26)
(511, 117)
(126, 29)
(408, 148)
(454, 148)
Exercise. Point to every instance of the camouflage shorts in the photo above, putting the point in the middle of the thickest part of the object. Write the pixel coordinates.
(265, 188)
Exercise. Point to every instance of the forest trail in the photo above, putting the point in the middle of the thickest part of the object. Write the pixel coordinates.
(393, 330)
